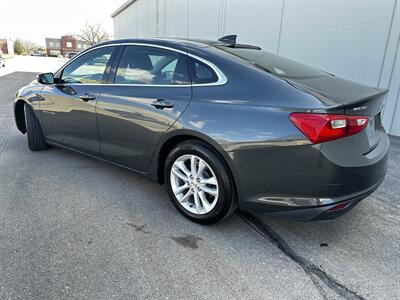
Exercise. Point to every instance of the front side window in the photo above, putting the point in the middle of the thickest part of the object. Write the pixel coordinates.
(202, 73)
(88, 68)
(153, 66)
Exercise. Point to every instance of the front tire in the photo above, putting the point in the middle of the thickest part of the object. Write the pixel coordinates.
(198, 183)
(34, 132)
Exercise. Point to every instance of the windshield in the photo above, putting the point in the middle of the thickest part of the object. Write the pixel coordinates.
(275, 64)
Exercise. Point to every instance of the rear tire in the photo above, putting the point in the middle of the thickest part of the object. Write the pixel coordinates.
(209, 196)
(34, 132)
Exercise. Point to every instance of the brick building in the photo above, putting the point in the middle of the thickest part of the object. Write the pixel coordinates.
(6, 46)
(64, 45)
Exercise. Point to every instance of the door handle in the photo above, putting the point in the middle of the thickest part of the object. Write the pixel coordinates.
(87, 97)
(162, 103)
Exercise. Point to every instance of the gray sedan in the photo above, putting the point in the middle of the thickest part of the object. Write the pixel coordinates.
(223, 125)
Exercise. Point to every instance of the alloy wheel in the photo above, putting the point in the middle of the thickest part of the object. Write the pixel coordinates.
(194, 184)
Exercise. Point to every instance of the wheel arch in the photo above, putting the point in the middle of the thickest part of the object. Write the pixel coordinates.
(174, 138)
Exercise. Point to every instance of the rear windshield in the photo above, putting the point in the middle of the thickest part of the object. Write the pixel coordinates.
(274, 64)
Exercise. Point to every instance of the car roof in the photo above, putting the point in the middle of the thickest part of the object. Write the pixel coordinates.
(195, 46)
(168, 42)
(178, 43)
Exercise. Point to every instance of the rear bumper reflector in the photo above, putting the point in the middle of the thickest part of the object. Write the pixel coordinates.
(341, 206)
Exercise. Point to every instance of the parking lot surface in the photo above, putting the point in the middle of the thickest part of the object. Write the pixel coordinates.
(37, 64)
(72, 227)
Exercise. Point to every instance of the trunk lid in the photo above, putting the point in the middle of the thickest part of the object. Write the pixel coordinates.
(355, 98)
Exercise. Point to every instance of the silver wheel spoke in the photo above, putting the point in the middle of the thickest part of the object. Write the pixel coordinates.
(210, 180)
(204, 201)
(197, 202)
(193, 165)
(186, 197)
(191, 175)
(181, 188)
(202, 165)
(178, 173)
(210, 191)
(181, 166)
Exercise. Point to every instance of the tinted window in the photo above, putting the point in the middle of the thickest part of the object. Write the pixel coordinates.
(275, 64)
(150, 65)
(88, 68)
(202, 73)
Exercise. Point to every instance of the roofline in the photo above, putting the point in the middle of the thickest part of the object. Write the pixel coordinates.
(173, 42)
(122, 8)
(221, 76)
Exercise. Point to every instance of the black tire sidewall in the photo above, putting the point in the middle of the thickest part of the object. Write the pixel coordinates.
(35, 136)
(29, 118)
(225, 197)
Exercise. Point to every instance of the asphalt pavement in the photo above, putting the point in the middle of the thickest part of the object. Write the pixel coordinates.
(72, 227)
(37, 64)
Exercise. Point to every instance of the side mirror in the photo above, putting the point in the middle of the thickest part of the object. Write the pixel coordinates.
(46, 78)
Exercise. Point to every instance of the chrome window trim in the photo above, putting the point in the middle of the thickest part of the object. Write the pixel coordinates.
(131, 84)
(222, 79)
(79, 55)
(221, 76)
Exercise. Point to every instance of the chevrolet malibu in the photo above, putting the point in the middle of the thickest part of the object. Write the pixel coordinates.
(223, 125)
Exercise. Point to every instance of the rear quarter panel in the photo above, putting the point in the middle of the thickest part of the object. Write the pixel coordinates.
(242, 116)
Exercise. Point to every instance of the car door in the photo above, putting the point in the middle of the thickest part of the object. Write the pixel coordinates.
(149, 90)
(68, 108)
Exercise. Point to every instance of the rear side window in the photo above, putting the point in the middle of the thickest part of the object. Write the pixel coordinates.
(275, 64)
(202, 73)
(153, 66)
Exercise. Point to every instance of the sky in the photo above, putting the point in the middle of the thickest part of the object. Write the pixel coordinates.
(37, 19)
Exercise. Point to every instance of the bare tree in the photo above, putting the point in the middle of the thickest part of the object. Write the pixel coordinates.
(29, 46)
(93, 34)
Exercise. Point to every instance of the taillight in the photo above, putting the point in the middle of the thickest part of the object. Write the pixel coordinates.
(319, 128)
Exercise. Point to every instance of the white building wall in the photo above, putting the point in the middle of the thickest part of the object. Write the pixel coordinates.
(10, 46)
(211, 29)
(357, 39)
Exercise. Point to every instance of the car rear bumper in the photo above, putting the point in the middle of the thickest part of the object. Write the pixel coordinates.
(301, 183)
(333, 210)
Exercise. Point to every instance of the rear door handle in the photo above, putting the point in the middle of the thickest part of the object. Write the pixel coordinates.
(162, 103)
(87, 97)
